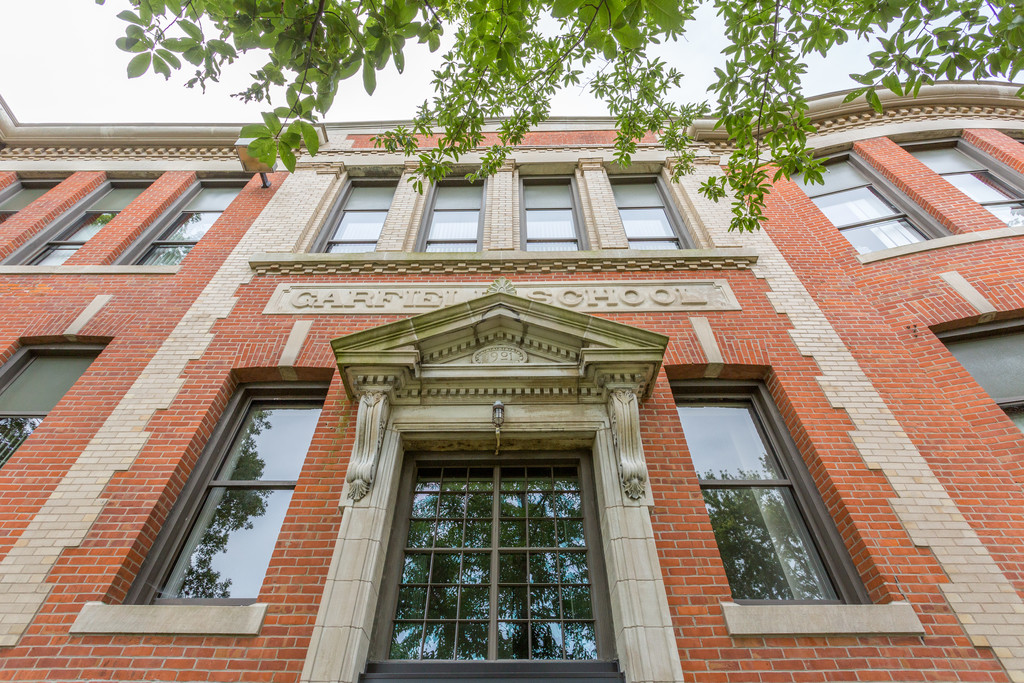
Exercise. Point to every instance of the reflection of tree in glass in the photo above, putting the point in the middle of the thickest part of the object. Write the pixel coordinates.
(13, 431)
(761, 563)
(235, 511)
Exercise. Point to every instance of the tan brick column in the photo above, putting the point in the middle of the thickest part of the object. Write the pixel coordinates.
(501, 209)
(604, 225)
(403, 221)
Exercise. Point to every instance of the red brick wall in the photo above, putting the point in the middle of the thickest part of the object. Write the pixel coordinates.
(28, 222)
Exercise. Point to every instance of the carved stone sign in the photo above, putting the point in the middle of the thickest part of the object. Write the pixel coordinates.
(588, 297)
(502, 354)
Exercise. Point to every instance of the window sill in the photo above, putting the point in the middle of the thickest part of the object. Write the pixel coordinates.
(488, 262)
(895, 618)
(170, 620)
(88, 270)
(940, 243)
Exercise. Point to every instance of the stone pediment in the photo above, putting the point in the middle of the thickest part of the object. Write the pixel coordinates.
(499, 346)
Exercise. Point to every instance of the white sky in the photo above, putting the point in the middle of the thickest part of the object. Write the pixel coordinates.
(61, 66)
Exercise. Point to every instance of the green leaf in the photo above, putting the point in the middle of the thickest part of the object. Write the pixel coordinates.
(161, 67)
(369, 77)
(191, 29)
(255, 130)
(628, 36)
(139, 64)
(169, 57)
(872, 97)
(287, 156)
(264, 149)
(665, 14)
(310, 137)
(130, 17)
(273, 123)
(564, 8)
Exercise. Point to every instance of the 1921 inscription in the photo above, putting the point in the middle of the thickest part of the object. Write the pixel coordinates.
(692, 295)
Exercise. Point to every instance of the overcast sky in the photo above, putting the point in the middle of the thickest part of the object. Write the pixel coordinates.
(61, 66)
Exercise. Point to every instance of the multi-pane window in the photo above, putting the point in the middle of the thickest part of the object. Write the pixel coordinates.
(362, 218)
(549, 217)
(455, 220)
(177, 239)
(767, 519)
(996, 361)
(100, 212)
(495, 565)
(865, 215)
(230, 534)
(648, 222)
(30, 387)
(22, 197)
(973, 179)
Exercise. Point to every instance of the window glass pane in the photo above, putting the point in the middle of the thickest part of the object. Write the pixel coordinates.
(838, 176)
(117, 199)
(364, 226)
(646, 223)
(351, 247)
(13, 431)
(654, 244)
(1016, 414)
(885, 235)
(191, 226)
(459, 197)
(55, 256)
(1011, 214)
(452, 246)
(213, 198)
(543, 588)
(981, 187)
(229, 549)
(266, 448)
(554, 196)
(997, 363)
(552, 246)
(42, 383)
(767, 552)
(166, 256)
(88, 226)
(454, 225)
(370, 198)
(636, 194)
(724, 443)
(550, 224)
(946, 160)
(854, 206)
(23, 198)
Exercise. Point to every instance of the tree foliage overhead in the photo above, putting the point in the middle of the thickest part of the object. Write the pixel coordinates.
(510, 56)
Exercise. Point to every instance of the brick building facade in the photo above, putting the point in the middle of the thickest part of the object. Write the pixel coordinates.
(561, 423)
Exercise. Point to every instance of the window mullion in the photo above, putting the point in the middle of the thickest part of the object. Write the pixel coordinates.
(492, 628)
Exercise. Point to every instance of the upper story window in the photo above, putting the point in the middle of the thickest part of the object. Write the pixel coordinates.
(455, 219)
(867, 213)
(770, 525)
(176, 240)
(495, 563)
(967, 173)
(994, 355)
(31, 385)
(362, 214)
(80, 224)
(647, 216)
(13, 200)
(220, 537)
(550, 220)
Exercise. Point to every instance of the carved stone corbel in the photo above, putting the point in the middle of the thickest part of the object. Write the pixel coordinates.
(624, 415)
(371, 420)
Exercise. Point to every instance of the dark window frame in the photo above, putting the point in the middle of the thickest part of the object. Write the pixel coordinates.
(174, 534)
(423, 239)
(20, 184)
(579, 228)
(65, 225)
(675, 219)
(337, 213)
(22, 359)
(167, 221)
(921, 221)
(834, 555)
(1003, 174)
(395, 547)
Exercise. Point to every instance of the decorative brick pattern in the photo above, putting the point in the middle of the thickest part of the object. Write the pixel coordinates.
(604, 225)
(404, 217)
(501, 210)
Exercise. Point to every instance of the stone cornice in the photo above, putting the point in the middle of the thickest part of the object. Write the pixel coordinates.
(609, 260)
